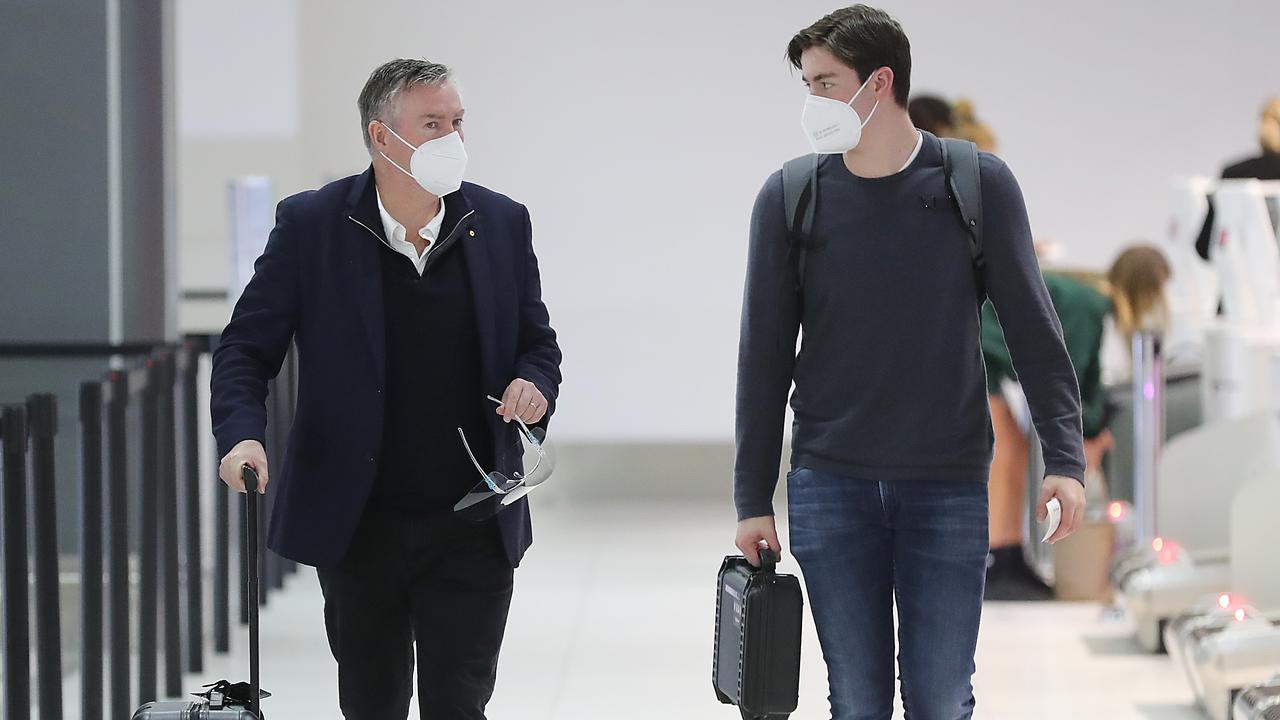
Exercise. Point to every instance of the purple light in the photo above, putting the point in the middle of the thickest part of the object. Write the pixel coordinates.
(1149, 390)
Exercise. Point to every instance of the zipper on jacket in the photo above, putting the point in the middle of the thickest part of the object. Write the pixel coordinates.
(448, 240)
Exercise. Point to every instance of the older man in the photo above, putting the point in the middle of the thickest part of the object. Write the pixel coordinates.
(412, 296)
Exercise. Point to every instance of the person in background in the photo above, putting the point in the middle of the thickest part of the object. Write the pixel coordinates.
(1081, 310)
(932, 114)
(937, 115)
(969, 127)
(1008, 575)
(1133, 290)
(1264, 166)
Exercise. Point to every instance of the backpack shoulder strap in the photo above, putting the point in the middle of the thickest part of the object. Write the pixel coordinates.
(799, 200)
(964, 181)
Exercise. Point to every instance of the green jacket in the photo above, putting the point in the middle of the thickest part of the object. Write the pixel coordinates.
(1082, 311)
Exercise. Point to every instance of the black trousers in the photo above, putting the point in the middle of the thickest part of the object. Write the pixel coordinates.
(434, 579)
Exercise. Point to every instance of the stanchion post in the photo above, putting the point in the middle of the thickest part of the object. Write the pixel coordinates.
(42, 424)
(16, 617)
(194, 576)
(221, 567)
(92, 697)
(1148, 431)
(169, 485)
(116, 530)
(148, 523)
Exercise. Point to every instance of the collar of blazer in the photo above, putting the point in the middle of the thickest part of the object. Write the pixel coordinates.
(362, 207)
(364, 219)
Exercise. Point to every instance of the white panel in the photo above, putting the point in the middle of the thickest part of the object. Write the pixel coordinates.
(1253, 525)
(251, 219)
(1223, 456)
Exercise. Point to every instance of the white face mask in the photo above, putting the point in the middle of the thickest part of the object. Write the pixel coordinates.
(833, 126)
(438, 165)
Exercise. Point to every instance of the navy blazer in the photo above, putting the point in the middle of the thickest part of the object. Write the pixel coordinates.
(319, 283)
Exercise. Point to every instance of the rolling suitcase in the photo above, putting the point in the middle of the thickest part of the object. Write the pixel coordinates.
(224, 700)
(756, 662)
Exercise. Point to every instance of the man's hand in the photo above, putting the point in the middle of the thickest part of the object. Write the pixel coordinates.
(246, 452)
(753, 531)
(1070, 493)
(523, 399)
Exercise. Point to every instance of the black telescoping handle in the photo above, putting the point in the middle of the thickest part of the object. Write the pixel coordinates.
(768, 559)
(250, 478)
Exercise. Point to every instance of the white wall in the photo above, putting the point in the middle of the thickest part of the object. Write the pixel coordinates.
(238, 63)
(639, 134)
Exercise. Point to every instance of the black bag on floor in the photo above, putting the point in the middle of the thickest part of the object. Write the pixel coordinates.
(756, 663)
(224, 700)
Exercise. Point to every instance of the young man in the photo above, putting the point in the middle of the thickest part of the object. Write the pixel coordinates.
(411, 296)
(892, 439)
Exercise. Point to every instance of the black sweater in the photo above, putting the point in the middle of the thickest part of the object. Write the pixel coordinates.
(433, 384)
(889, 379)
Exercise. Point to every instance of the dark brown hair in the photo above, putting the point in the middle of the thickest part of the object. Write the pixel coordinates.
(933, 114)
(863, 38)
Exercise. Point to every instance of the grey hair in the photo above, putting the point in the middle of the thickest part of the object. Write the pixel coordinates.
(379, 100)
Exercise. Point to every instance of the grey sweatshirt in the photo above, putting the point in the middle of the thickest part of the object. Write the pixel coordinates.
(889, 378)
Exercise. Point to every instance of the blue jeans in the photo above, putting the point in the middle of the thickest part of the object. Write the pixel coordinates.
(864, 543)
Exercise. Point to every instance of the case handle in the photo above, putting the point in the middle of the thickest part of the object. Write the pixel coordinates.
(768, 560)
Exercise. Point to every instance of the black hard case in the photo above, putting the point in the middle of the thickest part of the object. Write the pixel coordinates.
(759, 615)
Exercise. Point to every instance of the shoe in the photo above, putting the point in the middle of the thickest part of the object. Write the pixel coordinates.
(1009, 578)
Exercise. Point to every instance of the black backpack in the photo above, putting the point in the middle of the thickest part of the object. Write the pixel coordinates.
(964, 186)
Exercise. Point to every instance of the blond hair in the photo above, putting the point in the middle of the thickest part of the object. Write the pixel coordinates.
(1135, 283)
(1269, 126)
(968, 127)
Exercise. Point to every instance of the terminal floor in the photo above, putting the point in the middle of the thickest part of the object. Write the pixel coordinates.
(612, 620)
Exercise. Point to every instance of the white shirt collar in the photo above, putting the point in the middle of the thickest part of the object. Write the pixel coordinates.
(914, 153)
(396, 235)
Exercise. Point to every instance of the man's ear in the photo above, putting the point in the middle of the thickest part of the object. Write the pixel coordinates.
(884, 79)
